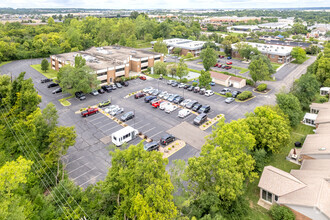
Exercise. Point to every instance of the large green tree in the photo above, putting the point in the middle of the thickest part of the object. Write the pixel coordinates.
(323, 70)
(260, 68)
(209, 57)
(299, 54)
(205, 79)
(44, 65)
(182, 69)
(160, 68)
(290, 105)
(160, 47)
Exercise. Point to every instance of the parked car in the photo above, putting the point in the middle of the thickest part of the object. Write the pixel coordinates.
(202, 91)
(170, 108)
(170, 82)
(204, 109)
(50, 85)
(191, 88)
(191, 104)
(220, 56)
(181, 85)
(184, 113)
(156, 92)
(146, 90)
(118, 85)
(124, 83)
(127, 116)
(174, 84)
(80, 95)
(166, 96)
(185, 102)
(113, 87)
(45, 80)
(164, 104)
(168, 138)
(104, 103)
(229, 100)
(172, 97)
(116, 111)
(149, 98)
(196, 107)
(186, 86)
(101, 91)
(196, 89)
(153, 101)
(217, 64)
(94, 92)
(227, 67)
(162, 94)
(228, 58)
(229, 63)
(224, 91)
(151, 146)
(200, 119)
(209, 92)
(220, 65)
(58, 90)
(142, 77)
(178, 99)
(236, 93)
(212, 83)
(157, 104)
(89, 111)
(110, 108)
(106, 88)
(139, 95)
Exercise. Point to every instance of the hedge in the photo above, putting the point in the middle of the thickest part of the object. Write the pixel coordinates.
(262, 87)
(228, 94)
(244, 95)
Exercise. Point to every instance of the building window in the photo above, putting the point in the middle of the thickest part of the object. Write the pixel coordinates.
(102, 74)
(315, 111)
(272, 56)
(121, 69)
(144, 61)
(309, 121)
(144, 67)
(157, 58)
(267, 196)
(104, 81)
(276, 198)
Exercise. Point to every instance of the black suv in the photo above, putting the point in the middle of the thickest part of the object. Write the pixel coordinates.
(236, 93)
(151, 146)
(191, 104)
(178, 99)
(200, 119)
(106, 88)
(165, 140)
(50, 85)
(196, 107)
(127, 116)
(124, 84)
(186, 86)
(45, 80)
(204, 109)
(80, 95)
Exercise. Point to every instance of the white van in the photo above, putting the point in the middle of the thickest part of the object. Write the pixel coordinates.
(123, 135)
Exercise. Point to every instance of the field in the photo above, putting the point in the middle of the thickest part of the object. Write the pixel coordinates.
(276, 65)
(51, 74)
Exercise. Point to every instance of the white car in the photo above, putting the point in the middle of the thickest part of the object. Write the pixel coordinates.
(109, 109)
(163, 105)
(170, 108)
(167, 96)
(185, 102)
(148, 89)
(184, 113)
(181, 85)
(162, 94)
(116, 111)
(209, 93)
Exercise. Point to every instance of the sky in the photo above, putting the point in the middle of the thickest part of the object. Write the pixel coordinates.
(163, 4)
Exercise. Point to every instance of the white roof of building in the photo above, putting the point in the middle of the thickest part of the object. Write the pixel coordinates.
(325, 88)
(183, 43)
(270, 49)
(274, 25)
(252, 27)
(310, 116)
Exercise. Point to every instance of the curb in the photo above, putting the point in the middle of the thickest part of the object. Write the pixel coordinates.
(176, 148)
(246, 99)
(212, 122)
(254, 90)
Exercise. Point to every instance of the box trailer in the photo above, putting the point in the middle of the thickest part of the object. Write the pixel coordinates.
(124, 135)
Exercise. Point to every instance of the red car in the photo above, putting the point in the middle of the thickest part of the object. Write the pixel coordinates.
(227, 67)
(157, 104)
(229, 62)
(139, 95)
(88, 112)
(219, 65)
(143, 77)
(216, 65)
(220, 56)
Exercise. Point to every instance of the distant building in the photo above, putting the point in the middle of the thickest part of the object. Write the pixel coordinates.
(319, 114)
(275, 25)
(287, 43)
(110, 62)
(243, 28)
(276, 54)
(317, 32)
(229, 19)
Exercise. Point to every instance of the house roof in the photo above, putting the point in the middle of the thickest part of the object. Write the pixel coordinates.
(323, 116)
(237, 79)
(310, 116)
(319, 106)
(316, 144)
(319, 164)
(279, 182)
(323, 129)
(220, 76)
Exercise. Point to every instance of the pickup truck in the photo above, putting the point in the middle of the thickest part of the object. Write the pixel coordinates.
(89, 112)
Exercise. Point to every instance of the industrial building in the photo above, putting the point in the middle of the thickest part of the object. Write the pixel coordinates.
(110, 62)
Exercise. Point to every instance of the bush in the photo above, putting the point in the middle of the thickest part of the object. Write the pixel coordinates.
(281, 213)
(323, 99)
(184, 80)
(249, 82)
(194, 84)
(228, 94)
(244, 95)
(189, 55)
(262, 87)
(169, 148)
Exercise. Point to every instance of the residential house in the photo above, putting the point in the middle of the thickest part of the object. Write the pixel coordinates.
(227, 80)
(324, 91)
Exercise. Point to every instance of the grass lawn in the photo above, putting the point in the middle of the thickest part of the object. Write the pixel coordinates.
(142, 44)
(156, 76)
(51, 74)
(65, 101)
(276, 65)
(320, 99)
(242, 69)
(4, 63)
(192, 59)
(193, 70)
(295, 61)
(277, 160)
(221, 53)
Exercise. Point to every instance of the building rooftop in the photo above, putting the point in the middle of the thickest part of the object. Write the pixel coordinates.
(106, 57)
(316, 144)
(237, 79)
(220, 76)
(323, 116)
(270, 49)
(286, 43)
(323, 129)
(319, 164)
(319, 106)
(274, 25)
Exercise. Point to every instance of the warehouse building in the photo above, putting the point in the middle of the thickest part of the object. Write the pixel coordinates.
(110, 62)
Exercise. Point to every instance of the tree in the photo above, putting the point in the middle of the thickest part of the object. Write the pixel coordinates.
(122, 40)
(134, 15)
(140, 185)
(44, 65)
(177, 51)
(79, 61)
(299, 54)
(281, 213)
(160, 47)
(246, 51)
(312, 49)
(205, 79)
(51, 21)
(131, 41)
(299, 28)
(226, 44)
(258, 70)
(209, 57)
(270, 128)
(60, 139)
(305, 89)
(172, 69)
(323, 70)
(148, 37)
(160, 68)
(290, 105)
(182, 69)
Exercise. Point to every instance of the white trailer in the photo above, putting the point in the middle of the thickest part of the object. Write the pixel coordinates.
(124, 135)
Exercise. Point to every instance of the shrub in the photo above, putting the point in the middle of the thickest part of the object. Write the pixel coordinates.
(184, 80)
(323, 99)
(262, 87)
(249, 82)
(281, 213)
(228, 94)
(244, 95)
(169, 148)
(189, 55)
(194, 84)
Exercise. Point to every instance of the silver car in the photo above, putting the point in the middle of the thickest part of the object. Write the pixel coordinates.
(229, 100)
(116, 111)
(185, 102)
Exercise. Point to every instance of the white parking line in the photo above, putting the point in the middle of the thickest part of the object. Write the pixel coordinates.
(142, 126)
(107, 124)
(156, 134)
(78, 168)
(217, 98)
(95, 119)
(93, 178)
(149, 130)
(75, 160)
(111, 128)
(83, 174)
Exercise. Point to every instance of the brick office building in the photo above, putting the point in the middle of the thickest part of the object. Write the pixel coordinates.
(110, 62)
(276, 53)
